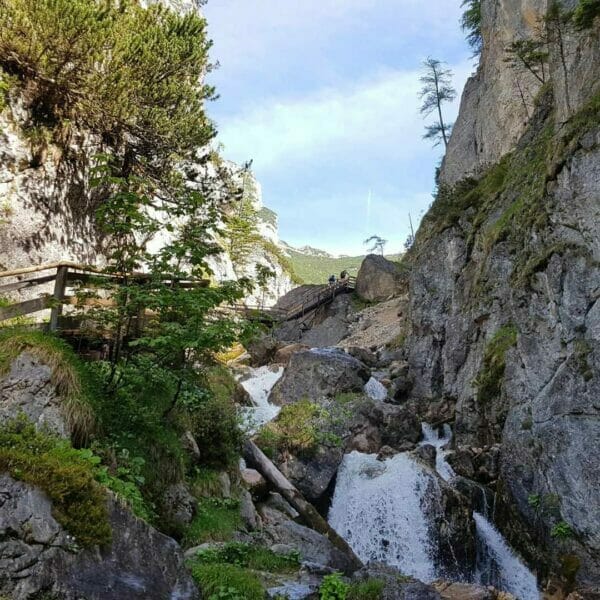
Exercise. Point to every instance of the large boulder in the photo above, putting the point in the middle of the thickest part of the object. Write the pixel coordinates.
(378, 279)
(319, 374)
(37, 557)
(395, 585)
(285, 535)
(28, 389)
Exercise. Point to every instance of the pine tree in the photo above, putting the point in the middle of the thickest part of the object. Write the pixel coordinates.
(437, 89)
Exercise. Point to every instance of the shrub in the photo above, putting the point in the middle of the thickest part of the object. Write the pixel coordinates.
(216, 521)
(67, 475)
(562, 531)
(333, 588)
(128, 73)
(72, 379)
(295, 429)
(585, 13)
(490, 377)
(227, 582)
(368, 590)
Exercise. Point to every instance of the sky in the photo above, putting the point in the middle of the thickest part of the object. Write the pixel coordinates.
(322, 95)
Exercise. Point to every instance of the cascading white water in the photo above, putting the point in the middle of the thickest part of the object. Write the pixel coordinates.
(377, 509)
(432, 437)
(499, 566)
(497, 563)
(375, 389)
(259, 383)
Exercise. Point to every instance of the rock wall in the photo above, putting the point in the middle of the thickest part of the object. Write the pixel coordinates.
(504, 305)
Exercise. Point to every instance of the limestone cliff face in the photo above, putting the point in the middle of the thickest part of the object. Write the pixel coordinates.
(47, 207)
(504, 290)
(498, 100)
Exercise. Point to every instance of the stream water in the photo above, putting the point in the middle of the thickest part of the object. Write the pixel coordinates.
(378, 506)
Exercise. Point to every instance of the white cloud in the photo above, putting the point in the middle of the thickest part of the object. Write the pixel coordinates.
(379, 115)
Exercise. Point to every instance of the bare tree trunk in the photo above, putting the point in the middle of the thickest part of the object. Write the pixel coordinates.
(255, 457)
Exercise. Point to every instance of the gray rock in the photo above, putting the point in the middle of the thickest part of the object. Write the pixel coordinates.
(396, 585)
(262, 350)
(427, 454)
(36, 555)
(250, 518)
(365, 356)
(312, 546)
(378, 279)
(28, 389)
(319, 374)
(178, 505)
(396, 424)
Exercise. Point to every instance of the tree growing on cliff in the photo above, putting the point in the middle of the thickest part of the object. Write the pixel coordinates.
(375, 243)
(471, 25)
(437, 89)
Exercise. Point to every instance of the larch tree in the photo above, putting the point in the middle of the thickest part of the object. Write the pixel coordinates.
(437, 89)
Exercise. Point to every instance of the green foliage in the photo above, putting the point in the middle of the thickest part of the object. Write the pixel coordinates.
(249, 556)
(333, 588)
(582, 353)
(128, 73)
(222, 581)
(585, 13)
(368, 590)
(490, 377)
(534, 500)
(286, 264)
(216, 521)
(70, 376)
(471, 25)
(68, 476)
(530, 55)
(297, 428)
(5, 86)
(562, 531)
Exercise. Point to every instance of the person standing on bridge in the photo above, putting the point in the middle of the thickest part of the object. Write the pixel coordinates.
(344, 275)
(332, 280)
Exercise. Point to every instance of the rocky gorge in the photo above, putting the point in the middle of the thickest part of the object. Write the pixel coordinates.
(429, 433)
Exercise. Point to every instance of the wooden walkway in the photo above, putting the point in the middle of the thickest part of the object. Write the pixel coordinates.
(67, 275)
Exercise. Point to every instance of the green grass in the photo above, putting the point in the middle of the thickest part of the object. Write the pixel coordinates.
(70, 376)
(249, 556)
(216, 521)
(368, 590)
(226, 581)
(66, 475)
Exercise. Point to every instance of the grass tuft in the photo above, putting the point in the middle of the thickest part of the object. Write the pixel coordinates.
(222, 580)
(69, 375)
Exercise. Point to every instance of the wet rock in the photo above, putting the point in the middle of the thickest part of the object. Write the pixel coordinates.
(386, 452)
(396, 424)
(480, 496)
(464, 591)
(36, 557)
(461, 460)
(319, 374)
(396, 585)
(427, 454)
(378, 279)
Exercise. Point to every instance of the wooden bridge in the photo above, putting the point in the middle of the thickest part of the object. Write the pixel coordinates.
(313, 299)
(65, 275)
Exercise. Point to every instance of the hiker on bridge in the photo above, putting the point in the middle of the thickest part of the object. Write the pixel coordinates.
(331, 280)
(344, 275)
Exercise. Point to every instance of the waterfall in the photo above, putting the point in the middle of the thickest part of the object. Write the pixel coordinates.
(498, 565)
(375, 390)
(377, 509)
(259, 383)
(432, 437)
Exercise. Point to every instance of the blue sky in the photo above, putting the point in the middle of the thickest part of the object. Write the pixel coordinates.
(323, 96)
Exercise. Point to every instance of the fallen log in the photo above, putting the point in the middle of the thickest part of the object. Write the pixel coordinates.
(257, 459)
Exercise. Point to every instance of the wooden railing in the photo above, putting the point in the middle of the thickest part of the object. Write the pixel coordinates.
(72, 274)
(66, 274)
(312, 299)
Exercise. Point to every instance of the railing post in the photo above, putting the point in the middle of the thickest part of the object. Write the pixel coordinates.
(60, 285)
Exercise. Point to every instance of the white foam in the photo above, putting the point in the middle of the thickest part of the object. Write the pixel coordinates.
(375, 390)
(259, 384)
